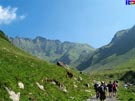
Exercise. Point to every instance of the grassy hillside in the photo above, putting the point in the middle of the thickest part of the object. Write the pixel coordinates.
(18, 66)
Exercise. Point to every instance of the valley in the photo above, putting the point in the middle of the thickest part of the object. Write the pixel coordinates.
(30, 77)
(67, 50)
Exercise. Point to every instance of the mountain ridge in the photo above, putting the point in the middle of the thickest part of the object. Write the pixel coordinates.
(114, 52)
(53, 50)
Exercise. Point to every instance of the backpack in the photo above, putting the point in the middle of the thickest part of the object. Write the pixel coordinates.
(114, 85)
(102, 92)
(102, 89)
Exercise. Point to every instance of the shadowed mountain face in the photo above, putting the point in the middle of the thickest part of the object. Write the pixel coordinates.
(53, 50)
(119, 50)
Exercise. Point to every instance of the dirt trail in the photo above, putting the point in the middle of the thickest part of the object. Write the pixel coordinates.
(107, 99)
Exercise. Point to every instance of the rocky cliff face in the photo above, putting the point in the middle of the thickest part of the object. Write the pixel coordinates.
(53, 50)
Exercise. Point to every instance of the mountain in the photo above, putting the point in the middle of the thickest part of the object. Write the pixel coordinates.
(26, 78)
(120, 50)
(53, 50)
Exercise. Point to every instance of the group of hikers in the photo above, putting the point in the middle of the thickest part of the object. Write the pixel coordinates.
(101, 89)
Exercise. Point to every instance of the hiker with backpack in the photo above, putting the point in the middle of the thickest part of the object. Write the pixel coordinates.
(102, 91)
(110, 89)
(115, 85)
(96, 87)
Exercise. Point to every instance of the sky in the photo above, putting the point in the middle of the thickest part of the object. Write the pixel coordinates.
(94, 22)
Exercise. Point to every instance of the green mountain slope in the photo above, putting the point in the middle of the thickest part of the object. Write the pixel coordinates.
(53, 50)
(118, 51)
(58, 83)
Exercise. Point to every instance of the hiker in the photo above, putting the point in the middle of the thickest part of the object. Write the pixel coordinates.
(115, 85)
(96, 87)
(110, 89)
(102, 91)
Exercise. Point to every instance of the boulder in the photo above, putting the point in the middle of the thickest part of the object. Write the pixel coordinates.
(40, 86)
(21, 85)
(63, 88)
(13, 95)
(62, 64)
(69, 74)
(80, 78)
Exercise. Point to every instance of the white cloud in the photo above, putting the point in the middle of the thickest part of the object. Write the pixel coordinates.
(8, 14)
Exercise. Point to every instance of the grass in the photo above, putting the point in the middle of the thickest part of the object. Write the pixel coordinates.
(16, 65)
(126, 94)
